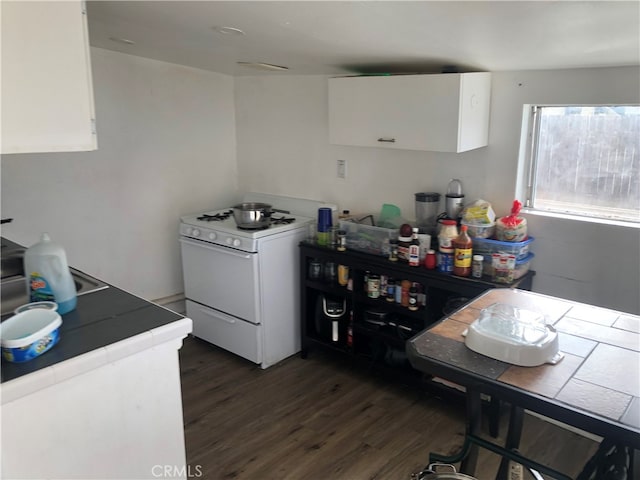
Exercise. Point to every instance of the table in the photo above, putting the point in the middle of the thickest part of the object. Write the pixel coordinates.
(596, 387)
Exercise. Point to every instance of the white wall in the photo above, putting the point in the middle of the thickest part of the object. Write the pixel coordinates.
(166, 147)
(283, 149)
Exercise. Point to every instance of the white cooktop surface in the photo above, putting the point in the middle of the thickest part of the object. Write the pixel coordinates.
(226, 232)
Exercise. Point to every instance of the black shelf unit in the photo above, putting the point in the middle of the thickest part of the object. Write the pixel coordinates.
(381, 346)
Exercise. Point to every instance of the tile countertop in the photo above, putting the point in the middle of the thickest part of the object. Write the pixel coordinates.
(105, 326)
(600, 373)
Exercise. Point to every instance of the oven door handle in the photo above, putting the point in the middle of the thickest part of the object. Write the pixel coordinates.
(219, 316)
(209, 246)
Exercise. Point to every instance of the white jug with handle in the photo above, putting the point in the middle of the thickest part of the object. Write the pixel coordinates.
(48, 275)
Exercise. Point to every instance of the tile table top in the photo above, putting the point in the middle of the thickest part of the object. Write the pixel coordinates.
(599, 376)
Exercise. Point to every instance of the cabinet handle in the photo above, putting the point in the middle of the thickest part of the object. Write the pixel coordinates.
(388, 140)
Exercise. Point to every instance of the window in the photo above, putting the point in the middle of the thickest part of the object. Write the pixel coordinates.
(584, 160)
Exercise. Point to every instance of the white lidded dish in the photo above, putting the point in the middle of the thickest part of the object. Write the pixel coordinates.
(514, 335)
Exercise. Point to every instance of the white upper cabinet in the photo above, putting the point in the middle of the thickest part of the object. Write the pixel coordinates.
(47, 94)
(438, 112)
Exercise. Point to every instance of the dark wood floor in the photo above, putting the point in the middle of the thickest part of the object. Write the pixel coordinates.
(323, 418)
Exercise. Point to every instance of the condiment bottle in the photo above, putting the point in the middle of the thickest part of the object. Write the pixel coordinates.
(403, 248)
(463, 248)
(430, 259)
(413, 299)
(447, 234)
(391, 290)
(404, 297)
(414, 249)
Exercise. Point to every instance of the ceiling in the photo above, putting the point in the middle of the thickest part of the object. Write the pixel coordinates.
(329, 37)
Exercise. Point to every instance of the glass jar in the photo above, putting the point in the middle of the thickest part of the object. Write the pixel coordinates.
(393, 250)
(391, 290)
(477, 266)
(373, 286)
(342, 241)
(315, 269)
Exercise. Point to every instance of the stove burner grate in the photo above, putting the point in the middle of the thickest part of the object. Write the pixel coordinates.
(282, 220)
(218, 217)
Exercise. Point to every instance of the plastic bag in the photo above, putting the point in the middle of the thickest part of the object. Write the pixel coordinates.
(513, 220)
(479, 213)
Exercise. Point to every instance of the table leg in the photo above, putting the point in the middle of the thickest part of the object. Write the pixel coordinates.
(512, 442)
(474, 423)
(468, 454)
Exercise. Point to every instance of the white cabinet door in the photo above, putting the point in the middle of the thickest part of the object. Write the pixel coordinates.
(441, 112)
(47, 94)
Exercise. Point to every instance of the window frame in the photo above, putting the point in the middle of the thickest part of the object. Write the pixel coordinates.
(526, 174)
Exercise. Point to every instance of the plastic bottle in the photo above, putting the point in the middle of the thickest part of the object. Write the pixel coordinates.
(48, 275)
(463, 249)
(446, 236)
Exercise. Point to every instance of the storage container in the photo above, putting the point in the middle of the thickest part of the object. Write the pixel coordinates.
(29, 334)
(367, 238)
(486, 246)
(479, 230)
(522, 266)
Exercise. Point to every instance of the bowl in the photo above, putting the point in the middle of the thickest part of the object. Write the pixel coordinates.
(479, 230)
(29, 334)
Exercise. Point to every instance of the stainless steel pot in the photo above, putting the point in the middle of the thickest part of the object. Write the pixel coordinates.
(433, 473)
(252, 215)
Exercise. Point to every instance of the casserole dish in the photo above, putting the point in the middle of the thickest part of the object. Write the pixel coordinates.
(513, 335)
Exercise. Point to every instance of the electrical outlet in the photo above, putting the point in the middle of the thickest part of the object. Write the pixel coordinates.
(342, 169)
(515, 471)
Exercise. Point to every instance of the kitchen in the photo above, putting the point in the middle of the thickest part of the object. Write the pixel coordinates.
(174, 140)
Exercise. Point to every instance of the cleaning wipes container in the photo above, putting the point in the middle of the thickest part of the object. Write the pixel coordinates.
(48, 275)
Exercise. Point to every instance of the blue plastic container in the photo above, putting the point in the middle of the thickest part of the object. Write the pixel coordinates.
(486, 246)
(29, 334)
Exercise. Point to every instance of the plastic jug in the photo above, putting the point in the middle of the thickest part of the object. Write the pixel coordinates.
(48, 275)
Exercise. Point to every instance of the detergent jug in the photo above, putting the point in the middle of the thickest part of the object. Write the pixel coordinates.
(48, 276)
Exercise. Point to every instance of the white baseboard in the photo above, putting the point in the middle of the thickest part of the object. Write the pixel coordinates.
(175, 303)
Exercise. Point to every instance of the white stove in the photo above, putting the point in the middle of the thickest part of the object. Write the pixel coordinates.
(219, 227)
(242, 286)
